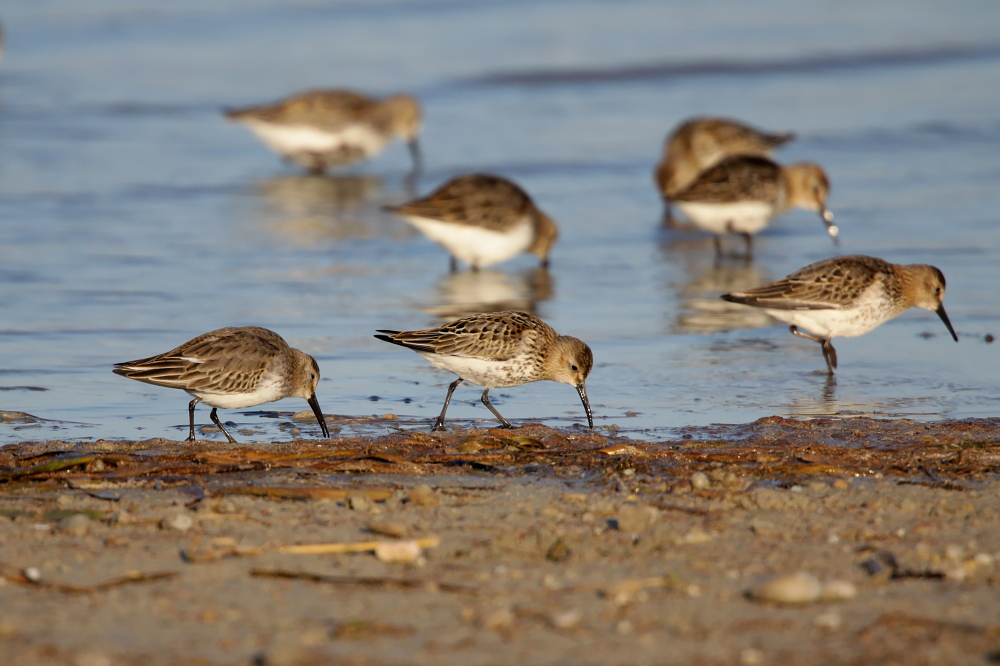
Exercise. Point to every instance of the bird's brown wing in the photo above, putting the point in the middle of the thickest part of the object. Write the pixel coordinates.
(494, 336)
(735, 179)
(830, 284)
(227, 360)
(480, 200)
(326, 109)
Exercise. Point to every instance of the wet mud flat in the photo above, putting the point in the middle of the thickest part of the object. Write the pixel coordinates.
(534, 545)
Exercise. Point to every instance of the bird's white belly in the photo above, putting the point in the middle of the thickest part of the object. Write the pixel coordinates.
(866, 313)
(477, 246)
(269, 389)
(292, 139)
(486, 373)
(745, 217)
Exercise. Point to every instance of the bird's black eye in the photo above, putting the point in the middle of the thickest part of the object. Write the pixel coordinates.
(574, 368)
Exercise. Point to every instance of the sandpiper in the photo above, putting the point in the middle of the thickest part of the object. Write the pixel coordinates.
(317, 129)
(743, 193)
(482, 220)
(232, 368)
(846, 297)
(499, 350)
(700, 143)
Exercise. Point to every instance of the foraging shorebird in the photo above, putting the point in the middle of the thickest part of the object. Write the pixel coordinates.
(500, 350)
(323, 128)
(481, 220)
(742, 194)
(847, 297)
(700, 143)
(232, 368)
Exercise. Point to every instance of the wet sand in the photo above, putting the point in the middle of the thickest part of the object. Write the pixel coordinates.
(554, 546)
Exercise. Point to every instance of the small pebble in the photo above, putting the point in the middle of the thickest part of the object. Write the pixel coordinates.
(423, 496)
(389, 528)
(838, 590)
(558, 551)
(181, 522)
(989, 338)
(34, 574)
(398, 552)
(830, 620)
(695, 536)
(115, 541)
(225, 506)
(794, 588)
(359, 502)
(500, 618)
(700, 481)
(76, 525)
(751, 656)
(304, 415)
(731, 482)
(566, 619)
(637, 518)
(956, 574)
(122, 517)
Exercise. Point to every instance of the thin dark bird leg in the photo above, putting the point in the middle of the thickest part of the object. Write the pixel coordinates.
(439, 424)
(414, 147)
(316, 165)
(668, 220)
(453, 265)
(215, 419)
(718, 245)
(748, 239)
(410, 183)
(829, 353)
(486, 401)
(191, 417)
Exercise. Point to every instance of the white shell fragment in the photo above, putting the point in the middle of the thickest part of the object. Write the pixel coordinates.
(398, 552)
(788, 589)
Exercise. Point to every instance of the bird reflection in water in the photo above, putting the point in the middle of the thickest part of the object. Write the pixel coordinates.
(699, 308)
(307, 209)
(469, 292)
(808, 403)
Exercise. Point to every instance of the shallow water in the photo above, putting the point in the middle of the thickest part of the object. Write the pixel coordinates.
(134, 217)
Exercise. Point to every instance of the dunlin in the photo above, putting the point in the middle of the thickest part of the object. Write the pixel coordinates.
(232, 368)
(700, 143)
(322, 128)
(499, 350)
(743, 193)
(847, 297)
(482, 220)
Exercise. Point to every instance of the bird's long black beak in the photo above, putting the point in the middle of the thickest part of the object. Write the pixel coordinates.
(831, 228)
(582, 390)
(415, 153)
(314, 403)
(944, 317)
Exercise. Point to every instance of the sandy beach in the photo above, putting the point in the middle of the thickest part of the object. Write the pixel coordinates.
(856, 541)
